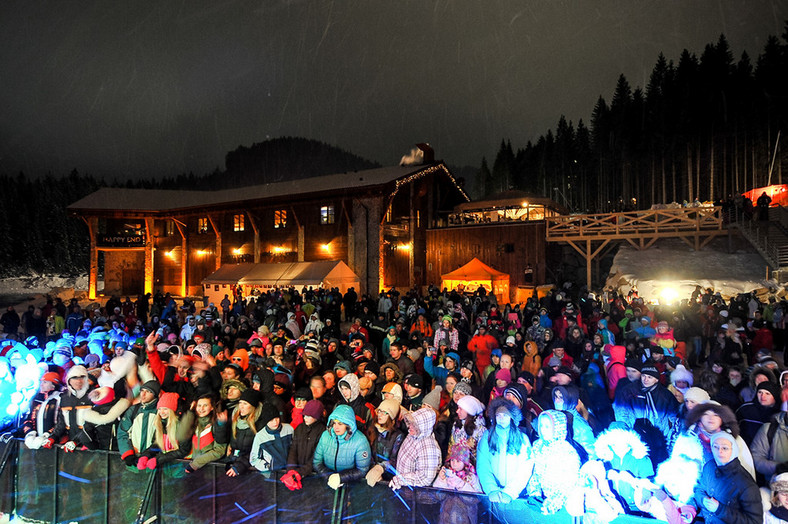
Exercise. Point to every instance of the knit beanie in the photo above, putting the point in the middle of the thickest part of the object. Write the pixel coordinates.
(771, 387)
(391, 407)
(697, 395)
(504, 374)
(633, 363)
(152, 386)
(168, 400)
(373, 367)
(471, 405)
(396, 390)
(464, 388)
(313, 409)
(268, 411)
(252, 396)
(433, 398)
(724, 435)
(650, 370)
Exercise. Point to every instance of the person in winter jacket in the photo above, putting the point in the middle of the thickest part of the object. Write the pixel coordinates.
(450, 365)
(769, 448)
(664, 338)
(271, 444)
(101, 421)
(469, 427)
(209, 437)
(173, 435)
(556, 463)
(565, 398)
(616, 368)
(503, 456)
(246, 422)
(44, 410)
(364, 411)
(725, 492)
(73, 406)
(419, 457)
(650, 412)
(754, 414)
(387, 438)
(343, 454)
(136, 431)
(302, 448)
(778, 514)
(532, 362)
(481, 345)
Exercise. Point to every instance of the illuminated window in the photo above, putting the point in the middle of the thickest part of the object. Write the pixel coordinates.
(327, 214)
(280, 218)
(238, 222)
(202, 225)
(169, 228)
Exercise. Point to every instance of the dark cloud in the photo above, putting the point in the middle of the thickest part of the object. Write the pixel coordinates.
(153, 88)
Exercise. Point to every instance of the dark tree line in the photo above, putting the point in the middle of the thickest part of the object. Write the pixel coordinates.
(36, 232)
(703, 128)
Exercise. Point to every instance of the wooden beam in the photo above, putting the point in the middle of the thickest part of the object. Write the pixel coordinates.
(149, 227)
(253, 222)
(183, 231)
(218, 232)
(92, 224)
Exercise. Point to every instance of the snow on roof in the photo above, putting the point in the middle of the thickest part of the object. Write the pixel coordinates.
(166, 200)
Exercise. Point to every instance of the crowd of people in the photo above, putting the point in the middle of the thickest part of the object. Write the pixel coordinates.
(597, 404)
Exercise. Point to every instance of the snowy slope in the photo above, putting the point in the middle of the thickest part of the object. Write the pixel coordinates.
(672, 264)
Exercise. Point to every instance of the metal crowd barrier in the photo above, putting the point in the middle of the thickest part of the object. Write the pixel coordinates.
(49, 485)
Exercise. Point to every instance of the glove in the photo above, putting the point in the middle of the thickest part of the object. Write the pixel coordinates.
(48, 443)
(130, 460)
(190, 469)
(289, 479)
(152, 463)
(374, 475)
(69, 446)
(30, 440)
(334, 481)
(395, 483)
(142, 463)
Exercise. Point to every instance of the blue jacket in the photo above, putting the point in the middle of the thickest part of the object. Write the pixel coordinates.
(440, 373)
(348, 455)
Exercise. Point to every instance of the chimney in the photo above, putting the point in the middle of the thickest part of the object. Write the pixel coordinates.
(427, 152)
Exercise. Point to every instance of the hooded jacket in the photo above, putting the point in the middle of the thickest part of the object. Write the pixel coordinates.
(581, 430)
(616, 369)
(73, 407)
(349, 454)
(556, 463)
(768, 454)
(532, 362)
(419, 457)
(363, 411)
(302, 448)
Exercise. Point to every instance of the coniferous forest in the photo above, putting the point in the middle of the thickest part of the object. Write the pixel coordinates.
(705, 126)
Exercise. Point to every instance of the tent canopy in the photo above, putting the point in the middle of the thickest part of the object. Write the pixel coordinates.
(328, 273)
(474, 274)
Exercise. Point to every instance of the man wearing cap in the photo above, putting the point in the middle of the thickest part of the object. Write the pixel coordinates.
(650, 412)
(414, 392)
(137, 428)
(450, 365)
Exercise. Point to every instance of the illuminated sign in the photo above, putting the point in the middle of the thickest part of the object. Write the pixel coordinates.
(121, 240)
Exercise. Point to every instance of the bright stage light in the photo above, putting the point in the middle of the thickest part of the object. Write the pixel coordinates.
(668, 295)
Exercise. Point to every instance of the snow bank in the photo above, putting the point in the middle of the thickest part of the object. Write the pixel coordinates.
(33, 289)
(671, 264)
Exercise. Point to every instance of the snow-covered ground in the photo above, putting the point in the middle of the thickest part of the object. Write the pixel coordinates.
(673, 266)
(33, 289)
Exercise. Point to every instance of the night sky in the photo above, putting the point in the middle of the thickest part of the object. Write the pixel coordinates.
(130, 89)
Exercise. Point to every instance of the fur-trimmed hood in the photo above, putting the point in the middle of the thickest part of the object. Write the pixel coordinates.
(75, 371)
(423, 419)
(397, 373)
(759, 369)
(617, 442)
(729, 421)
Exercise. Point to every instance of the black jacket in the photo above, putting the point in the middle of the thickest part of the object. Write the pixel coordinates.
(302, 449)
(736, 491)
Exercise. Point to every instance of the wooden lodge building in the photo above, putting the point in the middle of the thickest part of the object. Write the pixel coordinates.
(400, 226)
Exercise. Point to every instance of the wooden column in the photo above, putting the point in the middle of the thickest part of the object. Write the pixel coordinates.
(149, 223)
(412, 240)
(215, 224)
(301, 237)
(184, 256)
(92, 223)
(253, 222)
(351, 240)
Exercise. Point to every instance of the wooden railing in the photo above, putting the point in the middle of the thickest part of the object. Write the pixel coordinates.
(653, 222)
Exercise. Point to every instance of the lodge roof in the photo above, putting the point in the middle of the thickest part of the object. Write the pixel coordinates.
(150, 200)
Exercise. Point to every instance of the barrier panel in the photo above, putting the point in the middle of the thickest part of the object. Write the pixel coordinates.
(50, 485)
